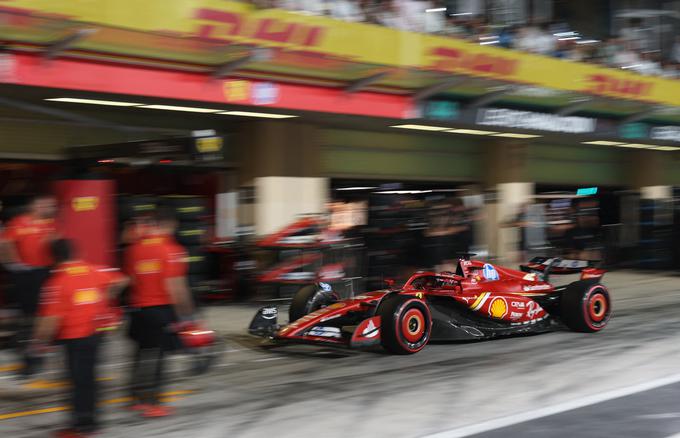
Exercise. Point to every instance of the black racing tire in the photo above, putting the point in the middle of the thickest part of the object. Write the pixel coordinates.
(405, 324)
(586, 307)
(308, 299)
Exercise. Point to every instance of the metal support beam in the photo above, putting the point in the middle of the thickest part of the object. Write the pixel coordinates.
(575, 106)
(437, 88)
(643, 114)
(57, 47)
(362, 83)
(66, 115)
(255, 55)
(491, 97)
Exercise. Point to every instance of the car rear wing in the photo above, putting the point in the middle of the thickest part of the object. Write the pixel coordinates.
(554, 265)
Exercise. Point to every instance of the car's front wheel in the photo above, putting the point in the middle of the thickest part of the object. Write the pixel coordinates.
(405, 324)
(308, 299)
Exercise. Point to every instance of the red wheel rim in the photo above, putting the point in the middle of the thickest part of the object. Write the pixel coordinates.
(597, 307)
(413, 325)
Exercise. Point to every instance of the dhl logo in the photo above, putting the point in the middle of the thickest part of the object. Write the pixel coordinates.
(605, 84)
(85, 203)
(226, 25)
(451, 59)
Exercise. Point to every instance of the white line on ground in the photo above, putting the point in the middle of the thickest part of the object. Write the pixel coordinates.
(511, 420)
(266, 359)
(677, 435)
(660, 416)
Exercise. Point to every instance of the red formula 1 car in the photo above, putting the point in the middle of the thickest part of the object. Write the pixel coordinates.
(478, 301)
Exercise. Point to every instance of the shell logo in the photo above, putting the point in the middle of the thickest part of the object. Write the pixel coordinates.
(498, 308)
(84, 203)
(77, 270)
(86, 296)
(209, 144)
(148, 267)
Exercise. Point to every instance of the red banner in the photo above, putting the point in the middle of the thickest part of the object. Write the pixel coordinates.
(87, 216)
(120, 79)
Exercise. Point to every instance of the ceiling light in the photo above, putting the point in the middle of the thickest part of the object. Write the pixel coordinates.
(435, 10)
(253, 114)
(93, 101)
(355, 188)
(603, 142)
(421, 127)
(471, 131)
(403, 192)
(636, 146)
(190, 109)
(666, 148)
(515, 135)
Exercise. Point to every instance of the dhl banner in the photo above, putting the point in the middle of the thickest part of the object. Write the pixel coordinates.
(230, 21)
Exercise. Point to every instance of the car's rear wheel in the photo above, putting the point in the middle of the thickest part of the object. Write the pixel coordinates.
(405, 324)
(586, 307)
(308, 299)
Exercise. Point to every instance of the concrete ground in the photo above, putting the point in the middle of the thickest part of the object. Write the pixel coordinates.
(621, 382)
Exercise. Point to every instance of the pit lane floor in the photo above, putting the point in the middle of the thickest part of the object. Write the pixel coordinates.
(446, 390)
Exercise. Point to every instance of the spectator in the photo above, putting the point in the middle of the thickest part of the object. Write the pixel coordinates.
(627, 57)
(506, 37)
(675, 51)
(390, 16)
(544, 41)
(347, 10)
(648, 65)
(626, 51)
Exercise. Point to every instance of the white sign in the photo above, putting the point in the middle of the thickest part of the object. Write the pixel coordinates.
(668, 133)
(531, 120)
(7, 68)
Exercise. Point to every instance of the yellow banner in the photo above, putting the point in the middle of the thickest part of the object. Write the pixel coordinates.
(230, 21)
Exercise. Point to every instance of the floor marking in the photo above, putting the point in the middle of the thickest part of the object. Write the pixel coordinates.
(47, 384)
(677, 435)
(559, 408)
(169, 396)
(10, 367)
(35, 412)
(660, 416)
(266, 359)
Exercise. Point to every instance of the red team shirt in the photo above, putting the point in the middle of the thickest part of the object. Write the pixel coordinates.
(77, 294)
(31, 239)
(149, 263)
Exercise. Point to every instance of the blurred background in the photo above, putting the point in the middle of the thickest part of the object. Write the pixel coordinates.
(348, 141)
(523, 128)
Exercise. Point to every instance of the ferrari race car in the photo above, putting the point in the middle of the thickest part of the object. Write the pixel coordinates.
(478, 301)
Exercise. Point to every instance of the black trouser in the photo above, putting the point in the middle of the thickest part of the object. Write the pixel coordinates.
(81, 355)
(26, 288)
(150, 329)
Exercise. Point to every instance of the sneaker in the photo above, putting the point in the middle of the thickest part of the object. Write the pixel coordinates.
(71, 433)
(157, 411)
(137, 407)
